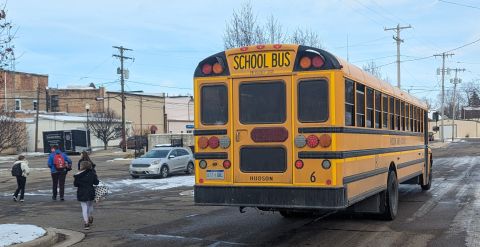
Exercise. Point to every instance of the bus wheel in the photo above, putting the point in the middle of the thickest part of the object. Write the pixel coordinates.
(390, 197)
(429, 184)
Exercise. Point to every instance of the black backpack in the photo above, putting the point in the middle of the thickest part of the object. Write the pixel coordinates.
(17, 169)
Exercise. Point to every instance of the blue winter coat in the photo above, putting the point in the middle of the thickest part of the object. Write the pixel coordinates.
(50, 160)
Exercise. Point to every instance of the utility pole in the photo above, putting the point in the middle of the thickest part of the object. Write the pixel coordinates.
(399, 40)
(121, 49)
(443, 55)
(36, 117)
(455, 81)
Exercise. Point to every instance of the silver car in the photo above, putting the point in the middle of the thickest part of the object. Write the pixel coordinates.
(161, 162)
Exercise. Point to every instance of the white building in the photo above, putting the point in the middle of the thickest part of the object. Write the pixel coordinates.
(61, 122)
(179, 110)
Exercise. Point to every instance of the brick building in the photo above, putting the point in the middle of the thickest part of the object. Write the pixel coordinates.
(74, 99)
(18, 91)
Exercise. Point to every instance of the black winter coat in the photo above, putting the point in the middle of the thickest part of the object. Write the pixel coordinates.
(85, 181)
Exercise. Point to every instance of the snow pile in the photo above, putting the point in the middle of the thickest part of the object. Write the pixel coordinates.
(14, 234)
(151, 184)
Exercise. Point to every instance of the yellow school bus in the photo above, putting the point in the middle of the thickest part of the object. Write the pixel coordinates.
(292, 128)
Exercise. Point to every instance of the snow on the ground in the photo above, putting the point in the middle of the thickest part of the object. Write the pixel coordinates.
(118, 186)
(8, 171)
(150, 184)
(27, 155)
(120, 159)
(14, 233)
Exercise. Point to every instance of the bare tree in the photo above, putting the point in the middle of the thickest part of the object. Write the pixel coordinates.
(106, 126)
(243, 29)
(372, 68)
(274, 31)
(7, 34)
(306, 37)
(429, 102)
(13, 133)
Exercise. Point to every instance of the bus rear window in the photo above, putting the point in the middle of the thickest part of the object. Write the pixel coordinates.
(263, 102)
(214, 105)
(313, 101)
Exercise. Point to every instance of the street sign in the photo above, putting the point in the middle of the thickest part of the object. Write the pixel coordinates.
(189, 126)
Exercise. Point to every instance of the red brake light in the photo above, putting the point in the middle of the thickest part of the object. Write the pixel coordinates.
(305, 62)
(299, 164)
(207, 69)
(317, 61)
(217, 68)
(227, 164)
(312, 141)
(203, 142)
(213, 142)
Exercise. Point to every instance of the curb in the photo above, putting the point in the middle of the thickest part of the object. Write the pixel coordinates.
(51, 238)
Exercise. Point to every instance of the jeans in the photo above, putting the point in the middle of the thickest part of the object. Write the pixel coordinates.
(58, 179)
(21, 181)
(87, 210)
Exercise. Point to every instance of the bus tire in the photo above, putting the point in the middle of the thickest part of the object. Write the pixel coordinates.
(390, 197)
(429, 183)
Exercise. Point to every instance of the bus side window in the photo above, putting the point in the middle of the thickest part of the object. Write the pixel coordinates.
(370, 117)
(412, 129)
(385, 111)
(407, 115)
(360, 105)
(391, 112)
(402, 114)
(397, 114)
(378, 110)
(349, 103)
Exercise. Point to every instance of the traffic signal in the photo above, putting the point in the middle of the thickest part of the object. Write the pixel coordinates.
(435, 116)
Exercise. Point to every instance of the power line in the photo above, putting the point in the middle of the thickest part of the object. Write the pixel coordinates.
(462, 46)
(460, 4)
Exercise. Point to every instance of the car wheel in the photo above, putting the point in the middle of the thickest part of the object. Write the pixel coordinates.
(190, 168)
(164, 172)
(134, 176)
(390, 197)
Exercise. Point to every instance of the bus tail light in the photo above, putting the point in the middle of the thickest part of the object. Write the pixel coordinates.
(326, 164)
(312, 141)
(227, 164)
(318, 61)
(305, 62)
(325, 140)
(299, 164)
(329, 182)
(207, 69)
(203, 142)
(217, 68)
(213, 142)
(202, 164)
(300, 141)
(224, 142)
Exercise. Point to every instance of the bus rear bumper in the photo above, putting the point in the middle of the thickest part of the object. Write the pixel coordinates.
(272, 197)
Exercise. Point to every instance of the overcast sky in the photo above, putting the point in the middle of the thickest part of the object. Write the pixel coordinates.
(72, 41)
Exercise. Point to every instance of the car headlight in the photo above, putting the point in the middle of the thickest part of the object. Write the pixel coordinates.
(156, 162)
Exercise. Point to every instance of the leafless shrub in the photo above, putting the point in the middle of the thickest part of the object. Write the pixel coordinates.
(13, 133)
(106, 126)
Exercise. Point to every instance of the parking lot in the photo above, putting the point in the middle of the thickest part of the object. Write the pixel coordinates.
(161, 212)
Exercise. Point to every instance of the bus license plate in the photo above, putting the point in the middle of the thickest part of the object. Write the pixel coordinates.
(215, 174)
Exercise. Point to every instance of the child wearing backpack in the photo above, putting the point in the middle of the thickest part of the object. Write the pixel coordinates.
(59, 164)
(20, 170)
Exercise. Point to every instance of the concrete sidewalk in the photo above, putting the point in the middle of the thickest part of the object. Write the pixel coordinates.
(55, 238)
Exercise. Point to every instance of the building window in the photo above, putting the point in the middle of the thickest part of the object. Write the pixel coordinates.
(35, 105)
(18, 104)
(54, 103)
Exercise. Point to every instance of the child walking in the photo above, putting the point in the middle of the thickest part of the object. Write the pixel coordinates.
(20, 170)
(84, 181)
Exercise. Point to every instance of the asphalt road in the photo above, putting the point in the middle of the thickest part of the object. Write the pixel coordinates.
(149, 214)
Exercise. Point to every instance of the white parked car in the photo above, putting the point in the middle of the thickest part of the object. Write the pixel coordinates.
(161, 162)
